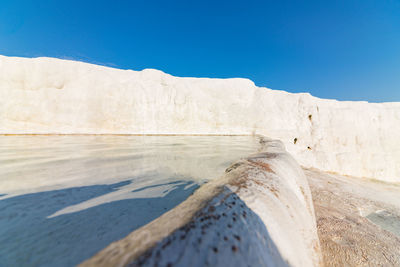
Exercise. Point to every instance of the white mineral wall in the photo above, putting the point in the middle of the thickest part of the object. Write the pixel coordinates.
(46, 95)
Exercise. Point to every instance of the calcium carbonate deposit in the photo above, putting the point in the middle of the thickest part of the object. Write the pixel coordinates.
(46, 95)
(265, 210)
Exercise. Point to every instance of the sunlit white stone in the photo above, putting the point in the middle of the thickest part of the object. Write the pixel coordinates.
(47, 95)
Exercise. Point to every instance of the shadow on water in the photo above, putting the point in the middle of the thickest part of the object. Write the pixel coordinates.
(29, 238)
(224, 233)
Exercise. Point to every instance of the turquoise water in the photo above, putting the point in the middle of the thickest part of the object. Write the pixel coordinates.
(386, 220)
(64, 198)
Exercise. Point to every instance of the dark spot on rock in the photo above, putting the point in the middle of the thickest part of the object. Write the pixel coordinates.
(234, 248)
(229, 226)
(295, 141)
(211, 209)
(223, 214)
(310, 117)
(236, 237)
(166, 244)
(234, 219)
(183, 237)
(215, 249)
(309, 148)
(234, 166)
(225, 238)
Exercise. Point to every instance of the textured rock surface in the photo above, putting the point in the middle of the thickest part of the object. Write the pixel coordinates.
(259, 213)
(358, 220)
(225, 232)
(46, 95)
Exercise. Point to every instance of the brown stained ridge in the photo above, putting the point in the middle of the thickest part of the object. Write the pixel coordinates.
(192, 213)
(263, 165)
(242, 181)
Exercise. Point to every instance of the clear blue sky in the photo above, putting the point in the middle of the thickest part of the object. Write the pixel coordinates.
(347, 50)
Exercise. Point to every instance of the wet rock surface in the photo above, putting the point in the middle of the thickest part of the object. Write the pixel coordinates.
(356, 220)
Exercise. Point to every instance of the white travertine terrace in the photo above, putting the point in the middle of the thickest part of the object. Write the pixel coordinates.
(46, 95)
(53, 96)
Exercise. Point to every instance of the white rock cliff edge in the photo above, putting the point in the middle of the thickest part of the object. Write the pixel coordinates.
(46, 95)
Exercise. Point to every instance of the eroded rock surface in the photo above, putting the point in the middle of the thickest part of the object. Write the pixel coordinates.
(225, 232)
(358, 220)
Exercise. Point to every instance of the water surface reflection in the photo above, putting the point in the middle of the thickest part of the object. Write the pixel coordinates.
(63, 198)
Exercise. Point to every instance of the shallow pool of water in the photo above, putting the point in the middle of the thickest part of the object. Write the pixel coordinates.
(63, 198)
(386, 220)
